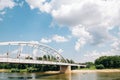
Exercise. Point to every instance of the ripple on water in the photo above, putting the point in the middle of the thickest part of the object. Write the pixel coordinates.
(73, 76)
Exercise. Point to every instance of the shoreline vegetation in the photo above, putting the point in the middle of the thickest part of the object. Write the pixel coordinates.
(102, 64)
(73, 71)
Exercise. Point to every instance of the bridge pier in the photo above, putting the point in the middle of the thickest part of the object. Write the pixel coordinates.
(65, 69)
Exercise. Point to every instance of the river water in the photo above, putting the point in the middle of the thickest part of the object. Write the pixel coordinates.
(72, 76)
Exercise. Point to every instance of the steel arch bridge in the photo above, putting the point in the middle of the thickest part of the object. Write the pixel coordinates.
(30, 52)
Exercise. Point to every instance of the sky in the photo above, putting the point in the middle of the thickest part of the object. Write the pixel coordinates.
(82, 30)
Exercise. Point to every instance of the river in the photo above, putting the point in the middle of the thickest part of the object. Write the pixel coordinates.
(72, 76)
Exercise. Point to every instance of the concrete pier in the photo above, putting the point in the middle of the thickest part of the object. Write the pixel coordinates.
(65, 69)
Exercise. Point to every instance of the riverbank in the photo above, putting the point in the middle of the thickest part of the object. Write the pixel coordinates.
(5, 70)
(101, 70)
(74, 71)
(86, 71)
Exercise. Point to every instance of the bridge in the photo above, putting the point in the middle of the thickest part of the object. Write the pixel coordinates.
(33, 53)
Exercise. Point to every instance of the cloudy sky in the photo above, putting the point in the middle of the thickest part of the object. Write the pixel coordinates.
(82, 30)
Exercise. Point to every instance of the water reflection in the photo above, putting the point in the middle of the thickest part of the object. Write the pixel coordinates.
(73, 76)
(34, 76)
(84, 76)
(108, 76)
(54, 77)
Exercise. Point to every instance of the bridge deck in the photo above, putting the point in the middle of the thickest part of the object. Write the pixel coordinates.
(26, 61)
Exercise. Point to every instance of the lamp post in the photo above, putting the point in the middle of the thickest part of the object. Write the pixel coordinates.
(8, 51)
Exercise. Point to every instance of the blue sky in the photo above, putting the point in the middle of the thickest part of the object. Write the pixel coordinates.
(82, 30)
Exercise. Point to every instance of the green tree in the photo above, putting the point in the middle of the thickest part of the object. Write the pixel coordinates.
(100, 66)
(28, 57)
(109, 61)
(89, 64)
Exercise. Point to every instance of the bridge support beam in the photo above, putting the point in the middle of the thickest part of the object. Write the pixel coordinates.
(65, 69)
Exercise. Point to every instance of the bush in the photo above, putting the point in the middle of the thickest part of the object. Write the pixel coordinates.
(31, 69)
(100, 66)
(89, 64)
(15, 70)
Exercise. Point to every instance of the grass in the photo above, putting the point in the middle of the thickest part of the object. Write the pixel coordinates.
(91, 68)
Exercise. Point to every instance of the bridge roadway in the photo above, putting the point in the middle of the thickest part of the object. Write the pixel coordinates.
(27, 61)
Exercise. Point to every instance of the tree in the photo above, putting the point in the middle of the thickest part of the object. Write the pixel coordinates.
(29, 58)
(89, 64)
(39, 58)
(109, 61)
(45, 57)
(100, 66)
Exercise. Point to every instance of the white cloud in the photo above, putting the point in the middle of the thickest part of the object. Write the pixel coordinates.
(21, 4)
(77, 12)
(87, 12)
(88, 20)
(114, 50)
(6, 4)
(80, 43)
(43, 40)
(2, 13)
(42, 5)
(100, 35)
(116, 45)
(82, 34)
(92, 55)
(80, 31)
(58, 38)
(84, 12)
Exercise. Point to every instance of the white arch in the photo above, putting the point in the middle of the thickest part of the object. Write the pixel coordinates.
(33, 44)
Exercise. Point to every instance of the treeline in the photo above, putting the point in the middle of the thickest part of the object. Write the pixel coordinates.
(51, 58)
(107, 62)
(28, 67)
(35, 67)
(104, 62)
